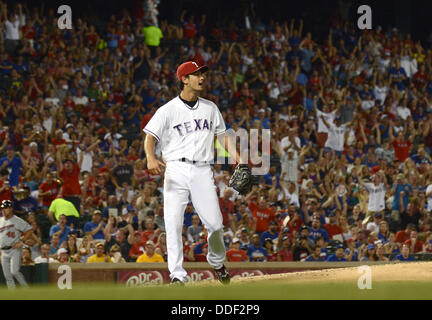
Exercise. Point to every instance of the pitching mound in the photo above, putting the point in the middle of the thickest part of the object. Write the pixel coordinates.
(411, 271)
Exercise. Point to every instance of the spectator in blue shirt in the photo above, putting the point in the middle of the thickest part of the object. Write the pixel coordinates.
(13, 164)
(404, 255)
(256, 252)
(338, 256)
(315, 256)
(315, 231)
(270, 233)
(95, 227)
(402, 189)
(60, 229)
(24, 203)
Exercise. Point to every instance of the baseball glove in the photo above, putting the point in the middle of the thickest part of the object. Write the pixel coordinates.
(241, 180)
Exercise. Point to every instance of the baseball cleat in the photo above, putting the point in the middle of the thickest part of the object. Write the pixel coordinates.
(223, 275)
(176, 283)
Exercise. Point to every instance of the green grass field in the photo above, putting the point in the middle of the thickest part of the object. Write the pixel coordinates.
(255, 291)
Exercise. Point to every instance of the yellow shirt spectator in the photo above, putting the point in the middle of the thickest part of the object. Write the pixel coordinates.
(152, 36)
(100, 255)
(95, 259)
(154, 258)
(149, 254)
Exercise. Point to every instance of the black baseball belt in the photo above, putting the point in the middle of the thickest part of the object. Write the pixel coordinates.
(6, 248)
(193, 161)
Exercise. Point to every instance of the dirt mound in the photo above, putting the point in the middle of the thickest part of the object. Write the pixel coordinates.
(408, 271)
(417, 271)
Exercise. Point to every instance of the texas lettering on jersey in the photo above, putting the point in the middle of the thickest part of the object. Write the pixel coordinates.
(186, 132)
(198, 124)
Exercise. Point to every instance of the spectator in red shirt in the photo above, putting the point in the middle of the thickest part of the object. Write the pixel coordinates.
(58, 139)
(285, 253)
(261, 213)
(404, 235)
(414, 243)
(235, 254)
(69, 172)
(137, 248)
(226, 206)
(400, 144)
(49, 190)
(189, 27)
(5, 188)
(332, 227)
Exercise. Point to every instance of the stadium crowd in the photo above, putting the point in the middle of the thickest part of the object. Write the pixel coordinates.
(350, 118)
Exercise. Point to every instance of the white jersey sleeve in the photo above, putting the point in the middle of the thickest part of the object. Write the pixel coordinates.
(21, 225)
(157, 124)
(219, 121)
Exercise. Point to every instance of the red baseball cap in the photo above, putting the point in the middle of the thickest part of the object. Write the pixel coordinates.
(189, 68)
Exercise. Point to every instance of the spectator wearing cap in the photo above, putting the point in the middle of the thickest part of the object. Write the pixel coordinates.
(244, 239)
(285, 253)
(315, 256)
(302, 249)
(337, 137)
(95, 227)
(24, 202)
(401, 190)
(234, 253)
(150, 255)
(271, 233)
(256, 252)
(63, 256)
(338, 256)
(60, 229)
(368, 253)
(13, 164)
(137, 248)
(405, 254)
(100, 255)
(115, 254)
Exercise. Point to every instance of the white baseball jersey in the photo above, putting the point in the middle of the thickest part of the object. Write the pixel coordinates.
(186, 132)
(11, 230)
(329, 117)
(376, 196)
(336, 137)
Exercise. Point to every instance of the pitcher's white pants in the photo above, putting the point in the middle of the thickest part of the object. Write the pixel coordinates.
(186, 182)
